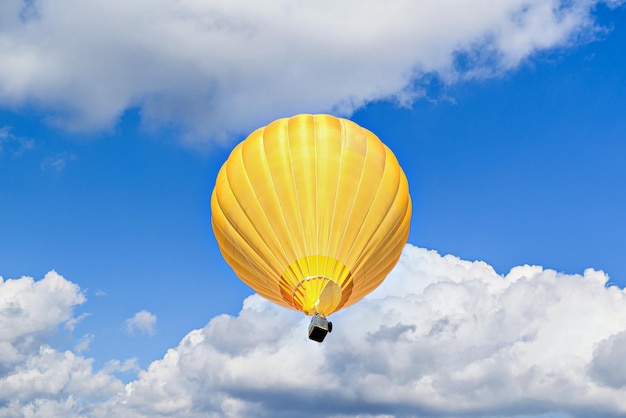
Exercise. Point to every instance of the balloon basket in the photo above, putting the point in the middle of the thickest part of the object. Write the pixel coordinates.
(318, 328)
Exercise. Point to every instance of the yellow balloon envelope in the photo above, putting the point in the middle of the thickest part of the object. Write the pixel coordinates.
(312, 212)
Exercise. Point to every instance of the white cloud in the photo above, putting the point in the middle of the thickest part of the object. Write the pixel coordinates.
(83, 343)
(57, 162)
(122, 366)
(608, 366)
(35, 379)
(49, 372)
(143, 322)
(219, 67)
(441, 337)
(13, 145)
(30, 311)
(71, 323)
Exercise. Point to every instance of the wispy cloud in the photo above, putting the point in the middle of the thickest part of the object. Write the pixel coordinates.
(57, 162)
(214, 68)
(72, 322)
(83, 343)
(143, 322)
(13, 145)
(128, 365)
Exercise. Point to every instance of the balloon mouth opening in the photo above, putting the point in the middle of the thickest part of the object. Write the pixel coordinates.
(316, 284)
(317, 295)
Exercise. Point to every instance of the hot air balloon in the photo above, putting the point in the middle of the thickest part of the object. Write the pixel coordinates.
(312, 212)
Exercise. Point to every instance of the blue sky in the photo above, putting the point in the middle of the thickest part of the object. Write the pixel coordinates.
(507, 118)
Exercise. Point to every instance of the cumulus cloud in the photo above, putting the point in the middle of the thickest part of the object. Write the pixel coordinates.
(30, 311)
(214, 68)
(35, 379)
(441, 337)
(143, 322)
(608, 366)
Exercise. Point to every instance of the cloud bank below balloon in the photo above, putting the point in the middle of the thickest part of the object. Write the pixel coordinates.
(217, 68)
(441, 337)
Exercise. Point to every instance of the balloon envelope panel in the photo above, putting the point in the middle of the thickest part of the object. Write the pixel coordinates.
(312, 212)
